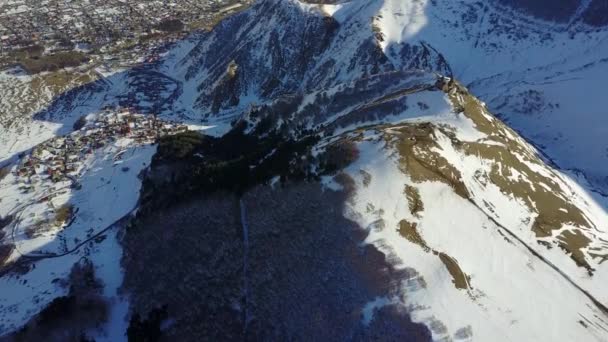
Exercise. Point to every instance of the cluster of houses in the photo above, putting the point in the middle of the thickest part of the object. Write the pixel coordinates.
(60, 25)
(62, 158)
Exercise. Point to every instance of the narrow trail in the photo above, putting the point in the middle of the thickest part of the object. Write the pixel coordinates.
(245, 226)
(35, 256)
(27, 258)
(17, 212)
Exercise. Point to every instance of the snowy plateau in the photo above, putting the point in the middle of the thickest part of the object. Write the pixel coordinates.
(480, 175)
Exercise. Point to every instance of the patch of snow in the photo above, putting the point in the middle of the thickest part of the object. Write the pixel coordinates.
(511, 294)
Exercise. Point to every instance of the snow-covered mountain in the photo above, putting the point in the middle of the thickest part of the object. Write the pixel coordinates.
(491, 232)
(493, 203)
(531, 72)
(494, 210)
(544, 78)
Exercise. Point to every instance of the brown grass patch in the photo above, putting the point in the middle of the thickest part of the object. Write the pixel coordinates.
(367, 178)
(4, 171)
(63, 214)
(53, 62)
(413, 199)
(415, 143)
(408, 230)
(572, 241)
(37, 228)
(459, 278)
(5, 252)
(539, 192)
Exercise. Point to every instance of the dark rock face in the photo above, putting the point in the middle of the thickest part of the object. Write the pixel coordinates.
(303, 273)
(560, 11)
(563, 11)
(275, 60)
(597, 13)
(276, 48)
(422, 57)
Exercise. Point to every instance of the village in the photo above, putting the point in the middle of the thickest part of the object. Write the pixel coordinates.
(63, 158)
(33, 31)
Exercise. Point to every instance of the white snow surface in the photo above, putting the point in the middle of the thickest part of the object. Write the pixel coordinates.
(566, 66)
(513, 296)
(109, 192)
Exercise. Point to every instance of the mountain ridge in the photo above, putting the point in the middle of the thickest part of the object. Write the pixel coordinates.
(485, 52)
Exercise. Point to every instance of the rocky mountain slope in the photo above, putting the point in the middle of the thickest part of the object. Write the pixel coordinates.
(361, 105)
(532, 73)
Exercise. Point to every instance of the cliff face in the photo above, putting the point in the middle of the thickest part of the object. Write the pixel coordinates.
(570, 11)
(285, 47)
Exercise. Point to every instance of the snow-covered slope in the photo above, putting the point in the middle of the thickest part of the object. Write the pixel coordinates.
(21, 97)
(108, 189)
(504, 246)
(543, 78)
